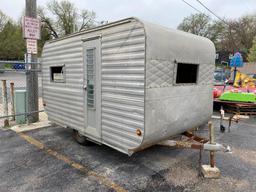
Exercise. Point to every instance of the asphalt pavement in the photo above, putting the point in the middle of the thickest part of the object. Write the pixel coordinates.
(49, 159)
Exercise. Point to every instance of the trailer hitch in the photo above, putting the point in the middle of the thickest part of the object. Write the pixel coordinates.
(199, 143)
(217, 147)
(203, 146)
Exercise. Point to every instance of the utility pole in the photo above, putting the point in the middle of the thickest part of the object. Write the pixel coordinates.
(32, 75)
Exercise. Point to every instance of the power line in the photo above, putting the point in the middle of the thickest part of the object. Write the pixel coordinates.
(206, 9)
(195, 8)
(229, 26)
(212, 12)
(222, 20)
(192, 7)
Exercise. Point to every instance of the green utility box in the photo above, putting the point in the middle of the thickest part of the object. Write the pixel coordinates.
(20, 106)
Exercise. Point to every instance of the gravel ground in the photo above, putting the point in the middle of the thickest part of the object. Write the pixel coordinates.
(24, 167)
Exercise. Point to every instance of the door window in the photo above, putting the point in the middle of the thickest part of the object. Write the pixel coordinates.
(90, 60)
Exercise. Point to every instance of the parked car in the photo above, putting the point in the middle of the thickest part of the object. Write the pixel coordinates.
(221, 76)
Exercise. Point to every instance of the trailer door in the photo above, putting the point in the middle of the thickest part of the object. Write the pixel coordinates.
(92, 87)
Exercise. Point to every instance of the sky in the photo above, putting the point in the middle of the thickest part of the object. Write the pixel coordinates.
(164, 12)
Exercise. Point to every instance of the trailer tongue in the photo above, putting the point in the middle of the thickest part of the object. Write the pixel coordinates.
(200, 143)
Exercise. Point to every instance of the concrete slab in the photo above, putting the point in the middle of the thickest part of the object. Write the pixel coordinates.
(210, 172)
(30, 127)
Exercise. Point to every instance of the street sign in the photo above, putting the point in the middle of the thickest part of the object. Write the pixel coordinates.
(31, 28)
(31, 46)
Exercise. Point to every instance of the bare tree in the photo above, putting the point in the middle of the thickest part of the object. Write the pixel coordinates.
(198, 24)
(47, 22)
(245, 31)
(252, 52)
(63, 18)
(87, 19)
(65, 14)
(228, 35)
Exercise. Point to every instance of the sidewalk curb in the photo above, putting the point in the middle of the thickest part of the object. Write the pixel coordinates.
(30, 127)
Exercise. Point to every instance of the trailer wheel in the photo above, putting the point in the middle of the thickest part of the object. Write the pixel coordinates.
(222, 128)
(80, 138)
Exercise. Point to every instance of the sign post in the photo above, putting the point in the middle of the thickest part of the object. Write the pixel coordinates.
(31, 32)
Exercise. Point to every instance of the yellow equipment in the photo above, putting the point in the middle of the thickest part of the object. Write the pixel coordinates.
(243, 80)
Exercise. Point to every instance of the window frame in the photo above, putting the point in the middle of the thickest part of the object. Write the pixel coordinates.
(63, 74)
(176, 73)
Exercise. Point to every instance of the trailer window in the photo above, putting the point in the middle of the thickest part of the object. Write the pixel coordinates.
(90, 60)
(186, 73)
(57, 74)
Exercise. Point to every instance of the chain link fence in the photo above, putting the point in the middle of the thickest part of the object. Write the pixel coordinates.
(13, 75)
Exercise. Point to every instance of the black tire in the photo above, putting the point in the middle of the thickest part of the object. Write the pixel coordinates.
(82, 140)
(222, 129)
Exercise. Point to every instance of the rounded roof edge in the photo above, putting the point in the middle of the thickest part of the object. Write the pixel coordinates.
(146, 24)
(149, 25)
(179, 43)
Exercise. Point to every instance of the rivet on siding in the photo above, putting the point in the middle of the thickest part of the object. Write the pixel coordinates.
(138, 132)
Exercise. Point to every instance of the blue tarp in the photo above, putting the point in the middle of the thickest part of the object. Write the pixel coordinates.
(237, 60)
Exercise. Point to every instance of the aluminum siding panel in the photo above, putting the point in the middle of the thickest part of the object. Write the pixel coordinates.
(64, 101)
(123, 62)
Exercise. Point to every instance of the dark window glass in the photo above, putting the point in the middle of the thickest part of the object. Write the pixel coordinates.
(186, 73)
(57, 74)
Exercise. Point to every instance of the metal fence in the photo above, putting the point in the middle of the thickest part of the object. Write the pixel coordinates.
(13, 78)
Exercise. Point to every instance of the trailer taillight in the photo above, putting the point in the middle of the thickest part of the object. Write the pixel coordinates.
(138, 132)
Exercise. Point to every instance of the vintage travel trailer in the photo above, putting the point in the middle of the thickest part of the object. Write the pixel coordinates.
(128, 84)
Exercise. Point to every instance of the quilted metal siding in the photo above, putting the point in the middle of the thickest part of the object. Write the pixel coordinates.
(171, 109)
(123, 62)
(206, 74)
(64, 101)
(159, 73)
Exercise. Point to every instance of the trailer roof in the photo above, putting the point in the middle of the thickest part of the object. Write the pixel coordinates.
(111, 24)
(147, 25)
